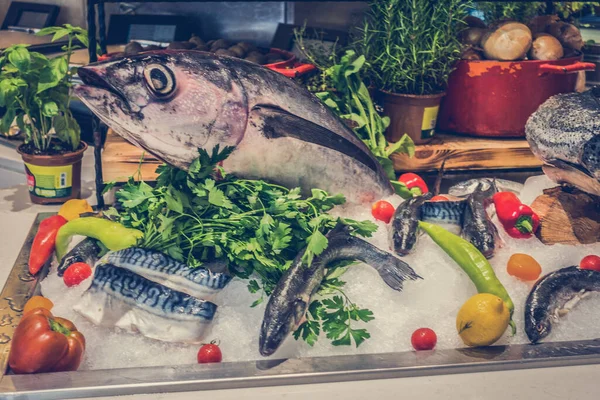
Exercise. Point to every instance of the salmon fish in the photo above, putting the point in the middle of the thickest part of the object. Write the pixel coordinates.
(565, 134)
(170, 103)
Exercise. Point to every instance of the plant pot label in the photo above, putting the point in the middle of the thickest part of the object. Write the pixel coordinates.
(49, 182)
(429, 120)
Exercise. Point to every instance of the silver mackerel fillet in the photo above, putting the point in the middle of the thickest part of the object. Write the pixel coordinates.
(171, 103)
(118, 297)
(199, 282)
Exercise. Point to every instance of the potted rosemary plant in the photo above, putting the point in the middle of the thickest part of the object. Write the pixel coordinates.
(411, 48)
(35, 92)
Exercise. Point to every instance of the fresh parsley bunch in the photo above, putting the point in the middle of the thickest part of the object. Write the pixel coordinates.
(258, 228)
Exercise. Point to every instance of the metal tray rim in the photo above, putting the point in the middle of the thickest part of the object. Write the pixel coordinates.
(62, 385)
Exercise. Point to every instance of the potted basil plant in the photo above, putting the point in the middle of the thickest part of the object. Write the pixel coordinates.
(36, 92)
(411, 48)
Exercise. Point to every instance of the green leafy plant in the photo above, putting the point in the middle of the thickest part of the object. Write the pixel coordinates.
(36, 91)
(411, 46)
(257, 228)
(340, 86)
(510, 10)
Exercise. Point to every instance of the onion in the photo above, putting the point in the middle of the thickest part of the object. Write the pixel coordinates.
(540, 23)
(546, 47)
(474, 22)
(568, 35)
(472, 36)
(510, 41)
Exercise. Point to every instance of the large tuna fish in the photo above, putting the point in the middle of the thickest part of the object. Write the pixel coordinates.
(172, 102)
(565, 133)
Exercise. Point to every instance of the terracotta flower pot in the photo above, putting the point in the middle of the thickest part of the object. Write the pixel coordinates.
(411, 114)
(53, 178)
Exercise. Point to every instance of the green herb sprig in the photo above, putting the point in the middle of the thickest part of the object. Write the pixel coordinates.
(258, 228)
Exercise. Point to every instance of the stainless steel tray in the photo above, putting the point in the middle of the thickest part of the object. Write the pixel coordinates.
(63, 385)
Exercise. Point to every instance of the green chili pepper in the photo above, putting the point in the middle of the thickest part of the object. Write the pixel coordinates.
(112, 234)
(472, 262)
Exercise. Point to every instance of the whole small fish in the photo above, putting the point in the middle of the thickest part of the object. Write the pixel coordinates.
(552, 296)
(465, 188)
(171, 103)
(564, 133)
(289, 301)
(200, 282)
(118, 297)
(443, 212)
(477, 227)
(405, 224)
(87, 251)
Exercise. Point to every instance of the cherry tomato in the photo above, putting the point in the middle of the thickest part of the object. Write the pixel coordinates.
(590, 262)
(77, 273)
(423, 339)
(38, 302)
(383, 211)
(524, 267)
(209, 353)
(439, 198)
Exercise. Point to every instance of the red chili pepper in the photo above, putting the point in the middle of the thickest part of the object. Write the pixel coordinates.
(43, 243)
(414, 183)
(518, 219)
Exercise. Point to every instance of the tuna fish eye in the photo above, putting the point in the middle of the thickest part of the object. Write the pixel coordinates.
(160, 79)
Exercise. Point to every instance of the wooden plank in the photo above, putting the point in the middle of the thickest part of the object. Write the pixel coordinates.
(121, 159)
(468, 153)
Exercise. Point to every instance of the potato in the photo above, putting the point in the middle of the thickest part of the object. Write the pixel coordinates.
(180, 46)
(133, 48)
(471, 54)
(248, 47)
(539, 23)
(238, 51)
(546, 47)
(225, 52)
(220, 44)
(510, 41)
(568, 35)
(472, 36)
(257, 58)
(197, 41)
(474, 22)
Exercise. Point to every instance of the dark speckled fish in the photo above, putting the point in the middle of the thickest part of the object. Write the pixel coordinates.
(405, 224)
(565, 134)
(202, 282)
(171, 103)
(554, 295)
(477, 227)
(118, 297)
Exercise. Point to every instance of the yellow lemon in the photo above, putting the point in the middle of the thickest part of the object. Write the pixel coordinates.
(73, 208)
(482, 320)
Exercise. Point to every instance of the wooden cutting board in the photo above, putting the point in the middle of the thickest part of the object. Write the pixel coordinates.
(121, 159)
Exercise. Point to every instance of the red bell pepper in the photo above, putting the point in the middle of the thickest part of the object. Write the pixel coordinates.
(44, 343)
(518, 219)
(43, 243)
(414, 183)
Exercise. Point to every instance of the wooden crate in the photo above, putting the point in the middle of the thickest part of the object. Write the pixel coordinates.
(121, 159)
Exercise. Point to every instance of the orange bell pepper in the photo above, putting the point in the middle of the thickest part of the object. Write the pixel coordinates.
(44, 343)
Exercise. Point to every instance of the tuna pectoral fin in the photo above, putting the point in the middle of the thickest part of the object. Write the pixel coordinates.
(563, 172)
(278, 123)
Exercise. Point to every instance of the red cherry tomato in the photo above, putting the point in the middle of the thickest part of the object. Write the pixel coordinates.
(77, 273)
(209, 353)
(439, 198)
(590, 262)
(423, 339)
(383, 211)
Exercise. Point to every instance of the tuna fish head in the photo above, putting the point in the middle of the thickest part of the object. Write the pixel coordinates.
(168, 103)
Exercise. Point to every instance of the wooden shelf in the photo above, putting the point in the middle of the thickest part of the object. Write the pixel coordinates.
(468, 153)
(120, 159)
